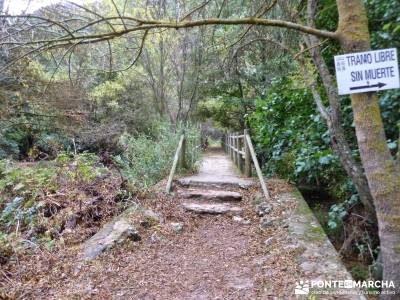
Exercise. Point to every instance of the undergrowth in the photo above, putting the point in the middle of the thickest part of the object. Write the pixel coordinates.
(147, 158)
(44, 202)
(38, 201)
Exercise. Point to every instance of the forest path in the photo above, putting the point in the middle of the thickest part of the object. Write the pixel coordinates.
(215, 256)
(217, 170)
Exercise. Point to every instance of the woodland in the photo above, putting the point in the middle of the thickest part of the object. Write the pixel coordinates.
(95, 94)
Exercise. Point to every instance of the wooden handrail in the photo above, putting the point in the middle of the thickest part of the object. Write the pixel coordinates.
(243, 157)
(238, 136)
(257, 166)
(175, 163)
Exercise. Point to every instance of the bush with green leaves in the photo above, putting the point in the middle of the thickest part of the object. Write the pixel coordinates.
(147, 158)
(293, 141)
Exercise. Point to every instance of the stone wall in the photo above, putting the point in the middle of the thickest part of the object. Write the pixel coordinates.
(317, 257)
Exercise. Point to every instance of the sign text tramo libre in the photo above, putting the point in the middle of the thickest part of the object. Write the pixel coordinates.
(367, 71)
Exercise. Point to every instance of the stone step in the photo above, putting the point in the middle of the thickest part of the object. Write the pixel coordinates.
(211, 208)
(228, 183)
(213, 195)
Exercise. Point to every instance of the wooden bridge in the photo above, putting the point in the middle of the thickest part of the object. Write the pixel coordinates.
(238, 147)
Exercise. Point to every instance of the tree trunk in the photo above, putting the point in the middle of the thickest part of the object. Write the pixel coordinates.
(379, 165)
(338, 139)
(333, 117)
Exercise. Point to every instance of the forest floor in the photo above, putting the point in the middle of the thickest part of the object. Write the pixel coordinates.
(214, 257)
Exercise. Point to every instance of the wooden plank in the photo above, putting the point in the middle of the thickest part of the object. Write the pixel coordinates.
(236, 150)
(174, 165)
(257, 167)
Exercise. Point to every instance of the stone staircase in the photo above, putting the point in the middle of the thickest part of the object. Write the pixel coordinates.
(209, 191)
(210, 201)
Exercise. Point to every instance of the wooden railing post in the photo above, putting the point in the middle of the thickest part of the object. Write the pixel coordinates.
(228, 149)
(183, 154)
(174, 165)
(237, 150)
(230, 145)
(235, 157)
(257, 167)
(247, 155)
(240, 155)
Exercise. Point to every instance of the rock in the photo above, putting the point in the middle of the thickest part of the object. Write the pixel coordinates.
(177, 227)
(211, 195)
(114, 232)
(266, 223)
(146, 217)
(151, 215)
(155, 237)
(268, 241)
(149, 218)
(263, 209)
(240, 220)
(237, 219)
(211, 208)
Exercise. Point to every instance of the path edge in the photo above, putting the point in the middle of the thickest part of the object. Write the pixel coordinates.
(318, 258)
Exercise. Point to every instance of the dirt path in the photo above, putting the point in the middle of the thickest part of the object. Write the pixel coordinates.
(214, 257)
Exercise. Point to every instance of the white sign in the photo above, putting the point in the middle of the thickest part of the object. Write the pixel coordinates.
(367, 71)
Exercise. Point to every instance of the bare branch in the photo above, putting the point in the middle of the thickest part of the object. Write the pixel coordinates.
(261, 11)
(310, 48)
(152, 24)
(138, 54)
(119, 14)
(195, 10)
(40, 18)
(92, 12)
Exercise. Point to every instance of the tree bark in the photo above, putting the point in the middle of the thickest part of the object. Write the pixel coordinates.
(342, 149)
(334, 119)
(379, 165)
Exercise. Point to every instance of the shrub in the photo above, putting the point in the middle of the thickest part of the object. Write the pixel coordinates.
(146, 159)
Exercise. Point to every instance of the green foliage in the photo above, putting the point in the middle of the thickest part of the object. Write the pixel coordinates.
(292, 139)
(147, 159)
(228, 112)
(24, 185)
(26, 181)
(359, 272)
(83, 168)
(339, 211)
(384, 23)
